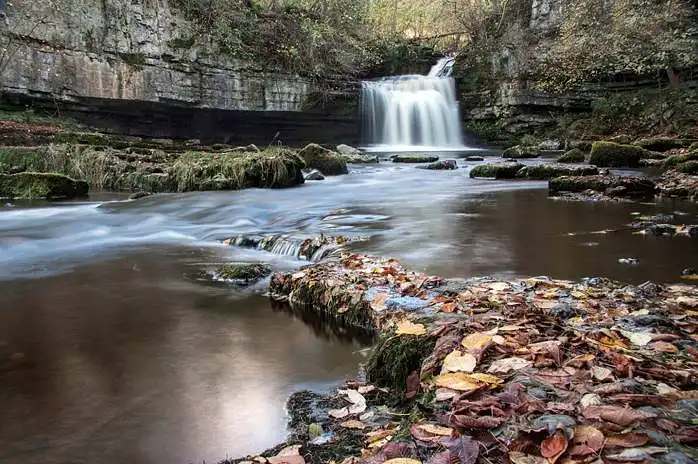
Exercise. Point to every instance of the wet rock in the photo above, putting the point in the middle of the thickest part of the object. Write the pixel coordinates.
(689, 167)
(326, 161)
(521, 151)
(651, 162)
(662, 143)
(442, 165)
(41, 185)
(137, 195)
(574, 155)
(676, 160)
(549, 171)
(355, 156)
(242, 273)
(662, 229)
(414, 158)
(475, 158)
(614, 186)
(676, 184)
(347, 150)
(313, 174)
(550, 144)
(621, 138)
(609, 154)
(496, 171)
(311, 249)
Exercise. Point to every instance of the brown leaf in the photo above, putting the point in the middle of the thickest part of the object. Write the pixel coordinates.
(553, 446)
(378, 303)
(407, 327)
(475, 422)
(353, 424)
(641, 400)
(464, 450)
(627, 440)
(587, 440)
(413, 385)
(616, 414)
(448, 307)
(443, 457)
(664, 347)
(517, 457)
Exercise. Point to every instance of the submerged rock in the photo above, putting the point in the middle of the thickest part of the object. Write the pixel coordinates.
(475, 158)
(242, 273)
(574, 155)
(549, 171)
(41, 185)
(138, 195)
(442, 165)
(521, 151)
(496, 171)
(614, 186)
(414, 158)
(313, 174)
(326, 161)
(616, 155)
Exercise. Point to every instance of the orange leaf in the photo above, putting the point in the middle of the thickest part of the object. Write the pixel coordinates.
(553, 446)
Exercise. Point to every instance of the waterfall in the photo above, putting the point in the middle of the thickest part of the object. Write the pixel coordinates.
(412, 112)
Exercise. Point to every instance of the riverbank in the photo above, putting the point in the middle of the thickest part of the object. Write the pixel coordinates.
(525, 370)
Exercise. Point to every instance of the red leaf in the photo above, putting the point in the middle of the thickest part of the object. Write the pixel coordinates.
(553, 446)
(627, 440)
(413, 385)
(463, 450)
(587, 440)
(616, 414)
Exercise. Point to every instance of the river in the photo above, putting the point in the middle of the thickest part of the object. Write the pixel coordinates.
(110, 351)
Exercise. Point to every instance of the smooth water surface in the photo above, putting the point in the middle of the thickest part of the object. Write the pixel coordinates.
(111, 352)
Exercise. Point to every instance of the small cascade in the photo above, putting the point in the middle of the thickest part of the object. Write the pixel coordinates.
(412, 112)
(310, 249)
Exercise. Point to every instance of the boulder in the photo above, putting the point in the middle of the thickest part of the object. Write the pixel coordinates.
(614, 186)
(360, 159)
(662, 143)
(242, 273)
(689, 167)
(549, 171)
(574, 155)
(348, 150)
(442, 165)
(41, 185)
(313, 174)
(675, 160)
(496, 171)
(326, 161)
(616, 155)
(521, 151)
(622, 138)
(651, 162)
(416, 158)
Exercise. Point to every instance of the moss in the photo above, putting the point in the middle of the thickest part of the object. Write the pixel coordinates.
(415, 158)
(394, 358)
(244, 272)
(689, 167)
(693, 147)
(521, 151)
(574, 155)
(662, 143)
(41, 185)
(496, 171)
(360, 159)
(549, 171)
(609, 154)
(528, 140)
(324, 160)
(87, 138)
(674, 160)
(232, 171)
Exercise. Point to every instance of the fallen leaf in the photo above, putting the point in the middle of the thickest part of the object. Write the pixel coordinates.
(413, 385)
(601, 373)
(436, 429)
(506, 365)
(664, 389)
(499, 286)
(616, 414)
(459, 362)
(591, 399)
(444, 394)
(378, 303)
(687, 301)
(463, 449)
(486, 378)
(586, 440)
(357, 399)
(517, 457)
(476, 341)
(456, 381)
(443, 457)
(288, 455)
(637, 454)
(353, 424)
(338, 413)
(366, 389)
(406, 327)
(402, 461)
(553, 446)
(297, 275)
(475, 422)
(448, 307)
(637, 338)
(664, 347)
(627, 440)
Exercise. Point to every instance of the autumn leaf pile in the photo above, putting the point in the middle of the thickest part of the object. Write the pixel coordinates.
(531, 371)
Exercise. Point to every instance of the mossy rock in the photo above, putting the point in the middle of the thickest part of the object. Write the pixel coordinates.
(521, 151)
(360, 159)
(612, 185)
(675, 160)
(689, 167)
(662, 143)
(414, 158)
(496, 171)
(244, 273)
(395, 357)
(574, 155)
(693, 147)
(41, 185)
(326, 161)
(615, 155)
(549, 171)
(231, 171)
(442, 165)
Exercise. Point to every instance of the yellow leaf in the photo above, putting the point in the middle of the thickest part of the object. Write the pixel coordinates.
(504, 366)
(459, 362)
(353, 424)
(476, 341)
(381, 442)
(486, 378)
(456, 381)
(579, 295)
(436, 429)
(499, 286)
(408, 328)
(637, 338)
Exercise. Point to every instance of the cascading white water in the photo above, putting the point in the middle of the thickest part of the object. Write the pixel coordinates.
(412, 112)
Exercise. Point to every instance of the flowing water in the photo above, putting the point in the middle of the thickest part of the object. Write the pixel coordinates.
(412, 112)
(110, 351)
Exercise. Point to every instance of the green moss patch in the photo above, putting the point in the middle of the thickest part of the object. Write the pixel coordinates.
(574, 155)
(549, 171)
(326, 161)
(414, 158)
(612, 185)
(662, 143)
(496, 171)
(616, 155)
(41, 185)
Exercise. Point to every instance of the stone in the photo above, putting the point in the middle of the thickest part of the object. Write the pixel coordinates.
(313, 174)
(550, 144)
(41, 185)
(521, 151)
(674, 160)
(242, 273)
(496, 171)
(615, 155)
(328, 162)
(651, 162)
(360, 159)
(574, 155)
(662, 143)
(614, 186)
(549, 171)
(475, 158)
(348, 150)
(689, 167)
(138, 195)
(442, 165)
(414, 158)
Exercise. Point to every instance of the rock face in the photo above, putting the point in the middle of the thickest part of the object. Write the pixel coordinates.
(326, 161)
(41, 185)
